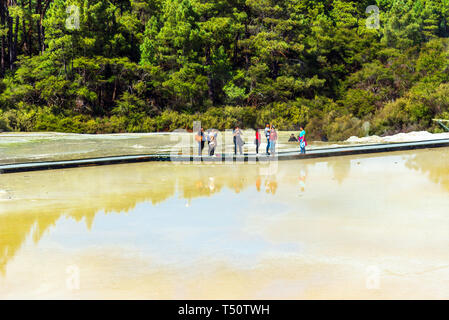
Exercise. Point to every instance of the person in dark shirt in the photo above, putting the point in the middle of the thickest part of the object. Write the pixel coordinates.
(238, 140)
(200, 138)
(292, 138)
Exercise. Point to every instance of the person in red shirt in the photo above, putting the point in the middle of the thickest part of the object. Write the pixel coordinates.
(257, 140)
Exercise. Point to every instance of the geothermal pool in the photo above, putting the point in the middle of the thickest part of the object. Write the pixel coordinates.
(374, 226)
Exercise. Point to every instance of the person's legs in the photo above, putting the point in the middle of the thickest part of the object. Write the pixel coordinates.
(257, 146)
(268, 145)
(302, 147)
(240, 148)
(273, 147)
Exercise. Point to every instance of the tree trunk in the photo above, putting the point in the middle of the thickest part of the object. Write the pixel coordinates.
(30, 30)
(10, 43)
(15, 41)
(38, 23)
(26, 47)
(2, 21)
(210, 80)
(115, 90)
(236, 41)
(42, 37)
(246, 49)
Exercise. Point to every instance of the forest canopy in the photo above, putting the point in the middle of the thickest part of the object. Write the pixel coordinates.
(338, 67)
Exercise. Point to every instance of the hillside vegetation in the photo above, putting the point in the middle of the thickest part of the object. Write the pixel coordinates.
(102, 66)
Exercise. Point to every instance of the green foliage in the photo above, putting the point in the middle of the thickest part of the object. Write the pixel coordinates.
(155, 65)
(359, 102)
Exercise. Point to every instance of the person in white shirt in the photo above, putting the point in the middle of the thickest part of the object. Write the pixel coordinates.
(267, 135)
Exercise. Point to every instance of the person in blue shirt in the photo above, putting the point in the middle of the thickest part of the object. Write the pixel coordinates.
(267, 135)
(302, 140)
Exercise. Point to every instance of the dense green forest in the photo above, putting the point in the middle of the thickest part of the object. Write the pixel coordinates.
(103, 66)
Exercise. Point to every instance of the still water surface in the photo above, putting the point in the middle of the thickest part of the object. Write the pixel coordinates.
(372, 226)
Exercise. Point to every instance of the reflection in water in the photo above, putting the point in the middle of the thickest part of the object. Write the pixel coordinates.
(302, 180)
(433, 163)
(299, 228)
(271, 185)
(41, 198)
(340, 168)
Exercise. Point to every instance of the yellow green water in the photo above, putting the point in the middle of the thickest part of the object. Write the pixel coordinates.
(351, 227)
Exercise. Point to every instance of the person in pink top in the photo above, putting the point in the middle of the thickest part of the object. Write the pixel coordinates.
(273, 139)
(257, 140)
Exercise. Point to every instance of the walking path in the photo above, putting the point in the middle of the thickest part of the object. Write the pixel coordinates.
(287, 155)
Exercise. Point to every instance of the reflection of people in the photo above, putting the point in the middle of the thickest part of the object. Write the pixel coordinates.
(257, 140)
(238, 185)
(271, 186)
(267, 135)
(302, 140)
(258, 183)
(212, 184)
(238, 141)
(302, 181)
(292, 138)
(273, 139)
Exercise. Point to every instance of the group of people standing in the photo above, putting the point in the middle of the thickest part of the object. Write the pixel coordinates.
(301, 139)
(211, 138)
(270, 134)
